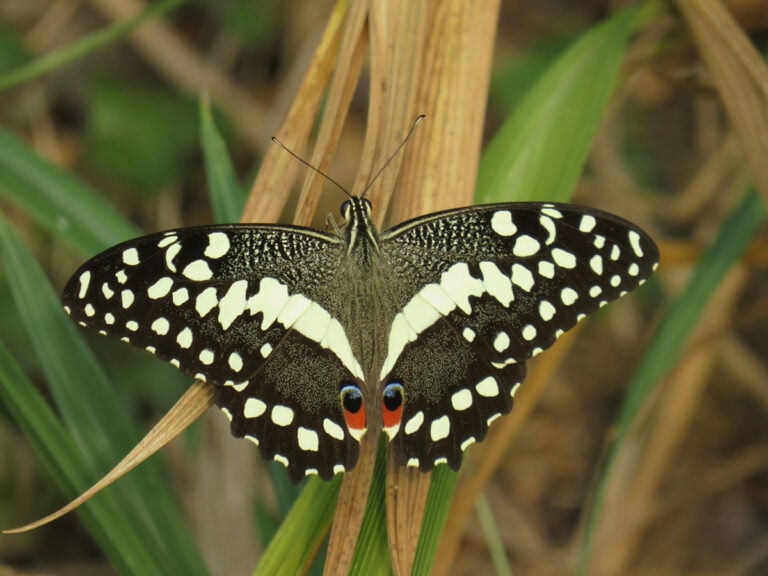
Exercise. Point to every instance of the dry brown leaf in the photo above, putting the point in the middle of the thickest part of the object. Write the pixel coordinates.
(740, 76)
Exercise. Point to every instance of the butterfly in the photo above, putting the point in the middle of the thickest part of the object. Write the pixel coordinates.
(313, 339)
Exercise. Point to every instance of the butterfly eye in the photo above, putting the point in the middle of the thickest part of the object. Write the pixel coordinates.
(392, 408)
(345, 209)
(367, 205)
(354, 410)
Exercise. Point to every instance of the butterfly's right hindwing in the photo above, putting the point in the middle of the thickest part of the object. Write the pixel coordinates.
(231, 305)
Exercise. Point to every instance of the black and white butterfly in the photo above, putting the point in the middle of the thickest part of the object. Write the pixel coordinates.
(314, 339)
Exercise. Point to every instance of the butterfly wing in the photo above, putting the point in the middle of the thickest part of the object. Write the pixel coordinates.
(216, 303)
(492, 287)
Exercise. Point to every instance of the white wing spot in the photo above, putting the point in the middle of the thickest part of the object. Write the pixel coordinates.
(132, 325)
(634, 241)
(548, 224)
(308, 439)
(85, 280)
(252, 439)
(525, 246)
(160, 326)
(332, 429)
(206, 356)
(109, 318)
(167, 241)
(529, 332)
(170, 254)
(596, 263)
(469, 334)
(568, 296)
(227, 413)
(595, 291)
(206, 301)
(599, 241)
(461, 400)
(198, 270)
(107, 291)
(127, 298)
(218, 245)
(282, 415)
(459, 284)
(467, 443)
(121, 276)
(235, 362)
(440, 428)
(233, 303)
(563, 258)
(414, 423)
(522, 277)
(546, 269)
(496, 283)
(615, 280)
(546, 310)
(501, 342)
(587, 223)
(265, 350)
(615, 252)
(412, 463)
(281, 459)
(488, 387)
(89, 310)
(184, 338)
(254, 408)
(180, 296)
(160, 288)
(501, 223)
(552, 211)
(131, 257)
(633, 269)
(338, 469)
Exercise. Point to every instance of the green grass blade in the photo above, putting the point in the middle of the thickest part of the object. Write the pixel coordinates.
(82, 47)
(227, 197)
(57, 201)
(665, 349)
(305, 528)
(94, 414)
(66, 464)
(539, 152)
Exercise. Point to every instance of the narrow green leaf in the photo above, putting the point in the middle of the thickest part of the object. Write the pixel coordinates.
(667, 344)
(94, 414)
(227, 197)
(83, 46)
(539, 152)
(70, 469)
(58, 201)
(372, 552)
(303, 531)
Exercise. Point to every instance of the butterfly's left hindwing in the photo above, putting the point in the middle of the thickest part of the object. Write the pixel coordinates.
(492, 286)
(229, 305)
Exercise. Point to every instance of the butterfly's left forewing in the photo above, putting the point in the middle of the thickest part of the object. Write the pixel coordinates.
(492, 286)
(230, 305)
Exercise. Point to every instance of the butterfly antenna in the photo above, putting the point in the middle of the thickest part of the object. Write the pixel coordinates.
(416, 122)
(308, 165)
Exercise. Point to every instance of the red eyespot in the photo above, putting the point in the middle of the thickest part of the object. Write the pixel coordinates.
(392, 407)
(354, 409)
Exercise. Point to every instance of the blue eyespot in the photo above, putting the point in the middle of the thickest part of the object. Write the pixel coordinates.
(393, 396)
